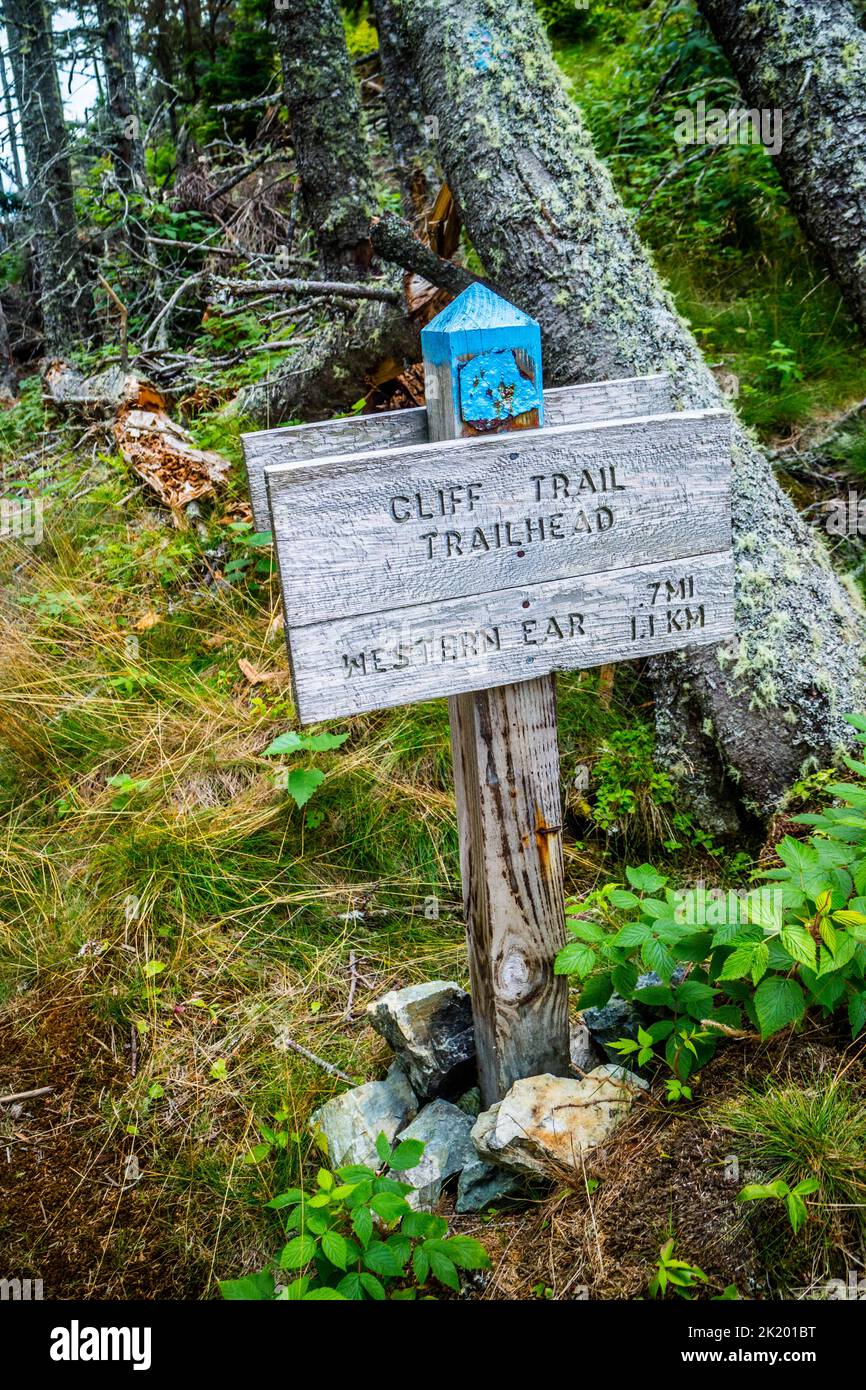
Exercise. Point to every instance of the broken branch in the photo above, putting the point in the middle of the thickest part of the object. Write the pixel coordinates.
(336, 287)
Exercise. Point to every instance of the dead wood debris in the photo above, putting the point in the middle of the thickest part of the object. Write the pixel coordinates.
(160, 451)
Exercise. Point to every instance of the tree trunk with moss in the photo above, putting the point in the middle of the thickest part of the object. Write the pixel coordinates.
(65, 295)
(736, 724)
(327, 134)
(127, 150)
(410, 129)
(339, 198)
(807, 60)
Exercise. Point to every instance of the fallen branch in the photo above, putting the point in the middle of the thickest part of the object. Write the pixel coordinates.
(344, 288)
(26, 1095)
(250, 103)
(124, 318)
(394, 240)
(241, 174)
(199, 246)
(167, 307)
(318, 1061)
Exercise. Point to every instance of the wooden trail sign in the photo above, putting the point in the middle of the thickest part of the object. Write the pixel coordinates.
(390, 429)
(477, 564)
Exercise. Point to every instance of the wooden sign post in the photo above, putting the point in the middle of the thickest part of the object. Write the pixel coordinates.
(482, 373)
(473, 550)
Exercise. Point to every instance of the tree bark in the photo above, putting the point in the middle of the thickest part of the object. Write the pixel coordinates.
(807, 60)
(64, 289)
(410, 129)
(8, 379)
(117, 60)
(736, 725)
(327, 134)
(10, 128)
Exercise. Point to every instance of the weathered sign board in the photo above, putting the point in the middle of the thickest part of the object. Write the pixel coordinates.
(392, 429)
(472, 549)
(436, 568)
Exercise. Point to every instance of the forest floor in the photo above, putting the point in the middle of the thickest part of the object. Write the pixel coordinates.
(169, 916)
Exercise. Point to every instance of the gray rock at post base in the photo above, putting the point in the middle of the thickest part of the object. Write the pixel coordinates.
(481, 1183)
(546, 1122)
(446, 1134)
(583, 1053)
(351, 1122)
(621, 1018)
(430, 1028)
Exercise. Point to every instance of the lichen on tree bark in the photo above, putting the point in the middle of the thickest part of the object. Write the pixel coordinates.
(65, 295)
(327, 133)
(807, 60)
(736, 724)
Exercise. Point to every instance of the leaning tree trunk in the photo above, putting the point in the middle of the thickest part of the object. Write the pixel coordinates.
(127, 149)
(735, 724)
(410, 129)
(327, 133)
(339, 197)
(64, 288)
(807, 59)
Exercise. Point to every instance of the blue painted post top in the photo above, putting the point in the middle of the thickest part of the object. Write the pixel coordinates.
(489, 353)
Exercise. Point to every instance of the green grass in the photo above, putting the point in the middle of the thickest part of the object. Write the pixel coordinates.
(818, 1131)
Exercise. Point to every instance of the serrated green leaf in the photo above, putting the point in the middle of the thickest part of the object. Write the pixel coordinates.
(645, 878)
(799, 944)
(289, 1198)
(298, 1252)
(350, 1286)
(778, 1003)
(621, 898)
(335, 1249)
(373, 1287)
(596, 992)
(576, 958)
(256, 1287)
(302, 782)
(658, 957)
(739, 963)
(382, 1259)
(389, 1206)
(407, 1154)
(443, 1269)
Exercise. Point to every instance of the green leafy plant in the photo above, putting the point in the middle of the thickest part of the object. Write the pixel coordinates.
(642, 1051)
(761, 958)
(781, 366)
(675, 1275)
(301, 783)
(356, 1236)
(780, 1191)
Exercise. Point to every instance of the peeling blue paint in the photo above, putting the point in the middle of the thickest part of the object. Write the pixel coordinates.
(492, 387)
(480, 323)
(481, 45)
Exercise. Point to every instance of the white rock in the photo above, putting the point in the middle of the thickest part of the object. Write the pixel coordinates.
(546, 1122)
